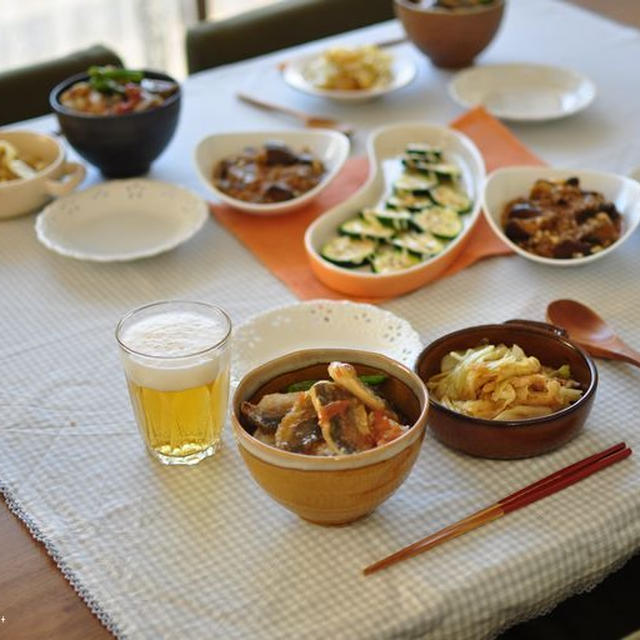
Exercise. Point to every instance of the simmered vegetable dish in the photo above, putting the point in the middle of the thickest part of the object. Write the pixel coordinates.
(415, 223)
(342, 415)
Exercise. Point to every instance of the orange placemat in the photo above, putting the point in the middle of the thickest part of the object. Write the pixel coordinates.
(278, 242)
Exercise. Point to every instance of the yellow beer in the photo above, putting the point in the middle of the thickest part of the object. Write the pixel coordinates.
(176, 360)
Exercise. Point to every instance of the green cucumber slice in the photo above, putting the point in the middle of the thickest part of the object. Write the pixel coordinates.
(365, 227)
(451, 198)
(410, 202)
(442, 170)
(388, 259)
(421, 243)
(347, 251)
(394, 218)
(441, 221)
(415, 184)
(424, 151)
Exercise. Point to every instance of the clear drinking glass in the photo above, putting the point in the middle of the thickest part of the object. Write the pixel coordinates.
(176, 361)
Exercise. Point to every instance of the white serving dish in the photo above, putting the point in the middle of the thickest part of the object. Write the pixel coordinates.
(384, 148)
(523, 92)
(331, 147)
(403, 70)
(507, 184)
(18, 197)
(322, 324)
(121, 220)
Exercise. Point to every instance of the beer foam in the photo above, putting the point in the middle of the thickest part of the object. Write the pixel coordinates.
(170, 338)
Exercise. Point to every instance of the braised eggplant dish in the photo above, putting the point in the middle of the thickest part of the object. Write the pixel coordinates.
(271, 173)
(561, 220)
(343, 414)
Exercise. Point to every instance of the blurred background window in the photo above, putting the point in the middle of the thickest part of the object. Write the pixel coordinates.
(145, 33)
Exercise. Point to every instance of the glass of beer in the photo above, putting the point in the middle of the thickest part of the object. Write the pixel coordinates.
(176, 361)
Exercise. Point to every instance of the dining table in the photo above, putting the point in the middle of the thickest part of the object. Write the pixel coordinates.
(168, 552)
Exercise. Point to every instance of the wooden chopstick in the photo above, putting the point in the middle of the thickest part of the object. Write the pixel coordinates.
(531, 493)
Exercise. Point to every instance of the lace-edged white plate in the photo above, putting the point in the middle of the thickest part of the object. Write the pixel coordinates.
(121, 220)
(322, 323)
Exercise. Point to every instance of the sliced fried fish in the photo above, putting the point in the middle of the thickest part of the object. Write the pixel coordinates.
(342, 418)
(268, 413)
(299, 430)
(346, 376)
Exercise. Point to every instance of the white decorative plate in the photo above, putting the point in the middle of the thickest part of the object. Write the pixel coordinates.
(525, 92)
(322, 323)
(121, 220)
(403, 71)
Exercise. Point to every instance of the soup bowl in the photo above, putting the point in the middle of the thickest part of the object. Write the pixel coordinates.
(338, 489)
(511, 438)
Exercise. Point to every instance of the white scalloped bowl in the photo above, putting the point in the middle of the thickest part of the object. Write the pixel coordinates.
(322, 323)
(384, 144)
(504, 185)
(331, 147)
(121, 220)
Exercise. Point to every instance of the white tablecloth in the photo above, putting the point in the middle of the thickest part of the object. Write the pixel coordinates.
(203, 552)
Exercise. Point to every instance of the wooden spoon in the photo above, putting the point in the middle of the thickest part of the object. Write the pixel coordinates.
(590, 331)
(307, 119)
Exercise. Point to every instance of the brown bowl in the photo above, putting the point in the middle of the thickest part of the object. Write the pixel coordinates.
(337, 489)
(511, 438)
(450, 38)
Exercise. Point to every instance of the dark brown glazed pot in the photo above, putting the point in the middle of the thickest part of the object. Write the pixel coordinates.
(450, 38)
(515, 438)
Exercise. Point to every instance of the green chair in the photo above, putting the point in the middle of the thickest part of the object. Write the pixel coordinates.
(277, 26)
(25, 91)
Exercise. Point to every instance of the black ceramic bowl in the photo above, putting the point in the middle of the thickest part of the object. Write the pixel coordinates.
(120, 146)
(511, 438)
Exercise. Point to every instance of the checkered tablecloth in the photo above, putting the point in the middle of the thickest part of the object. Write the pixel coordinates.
(202, 552)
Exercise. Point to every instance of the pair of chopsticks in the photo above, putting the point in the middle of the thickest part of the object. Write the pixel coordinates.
(531, 493)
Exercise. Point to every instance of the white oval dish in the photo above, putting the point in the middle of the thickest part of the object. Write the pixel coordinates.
(121, 220)
(384, 145)
(331, 147)
(322, 324)
(523, 92)
(504, 185)
(403, 70)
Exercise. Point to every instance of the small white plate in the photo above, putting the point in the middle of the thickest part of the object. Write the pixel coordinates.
(505, 185)
(121, 220)
(524, 92)
(331, 147)
(322, 323)
(403, 71)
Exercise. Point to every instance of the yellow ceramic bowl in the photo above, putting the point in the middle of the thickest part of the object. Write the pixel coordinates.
(338, 489)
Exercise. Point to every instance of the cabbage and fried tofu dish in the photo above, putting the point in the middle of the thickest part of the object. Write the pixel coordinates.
(341, 415)
(502, 383)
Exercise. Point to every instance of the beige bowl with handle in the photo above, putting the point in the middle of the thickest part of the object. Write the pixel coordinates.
(332, 490)
(58, 178)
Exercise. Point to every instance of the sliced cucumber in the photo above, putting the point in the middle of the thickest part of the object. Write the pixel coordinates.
(347, 251)
(422, 243)
(410, 202)
(415, 184)
(424, 151)
(451, 198)
(394, 218)
(442, 170)
(441, 221)
(366, 227)
(388, 259)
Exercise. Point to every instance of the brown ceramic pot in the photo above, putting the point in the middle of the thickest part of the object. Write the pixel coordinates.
(338, 489)
(450, 38)
(515, 438)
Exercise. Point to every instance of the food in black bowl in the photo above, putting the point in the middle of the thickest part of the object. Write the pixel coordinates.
(119, 120)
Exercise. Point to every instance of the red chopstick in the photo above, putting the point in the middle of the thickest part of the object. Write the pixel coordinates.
(531, 493)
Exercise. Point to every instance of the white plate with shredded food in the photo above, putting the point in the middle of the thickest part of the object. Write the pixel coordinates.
(523, 92)
(322, 323)
(121, 220)
(371, 70)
